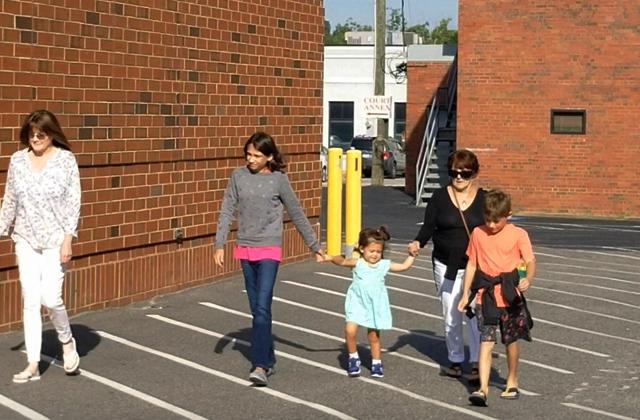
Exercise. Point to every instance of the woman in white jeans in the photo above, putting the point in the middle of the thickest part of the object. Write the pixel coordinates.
(444, 224)
(42, 205)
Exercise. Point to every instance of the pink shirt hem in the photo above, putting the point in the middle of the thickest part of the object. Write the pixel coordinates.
(257, 253)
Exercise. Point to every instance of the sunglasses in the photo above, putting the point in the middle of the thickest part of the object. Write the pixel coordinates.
(464, 173)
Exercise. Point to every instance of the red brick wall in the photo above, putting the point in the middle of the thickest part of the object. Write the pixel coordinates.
(157, 98)
(519, 60)
(423, 81)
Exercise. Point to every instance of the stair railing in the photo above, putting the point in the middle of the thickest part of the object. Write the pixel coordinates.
(430, 136)
(452, 86)
(427, 147)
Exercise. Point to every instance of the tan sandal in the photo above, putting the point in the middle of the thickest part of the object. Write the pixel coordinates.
(511, 393)
(26, 376)
(454, 371)
(71, 360)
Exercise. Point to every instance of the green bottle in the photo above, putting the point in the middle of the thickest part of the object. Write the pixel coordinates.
(522, 270)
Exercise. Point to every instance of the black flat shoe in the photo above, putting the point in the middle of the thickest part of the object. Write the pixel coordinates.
(478, 398)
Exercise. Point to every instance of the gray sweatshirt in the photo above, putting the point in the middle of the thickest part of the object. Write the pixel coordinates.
(258, 200)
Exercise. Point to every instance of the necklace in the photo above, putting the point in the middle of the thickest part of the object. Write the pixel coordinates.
(463, 201)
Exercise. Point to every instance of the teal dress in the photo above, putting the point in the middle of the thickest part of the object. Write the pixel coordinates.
(367, 302)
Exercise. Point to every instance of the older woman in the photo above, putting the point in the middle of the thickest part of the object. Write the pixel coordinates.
(41, 208)
(443, 222)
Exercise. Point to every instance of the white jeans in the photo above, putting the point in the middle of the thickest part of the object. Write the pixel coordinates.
(455, 321)
(41, 278)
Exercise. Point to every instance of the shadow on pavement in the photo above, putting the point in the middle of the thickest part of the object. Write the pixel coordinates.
(86, 340)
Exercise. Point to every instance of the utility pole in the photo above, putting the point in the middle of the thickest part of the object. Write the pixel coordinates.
(377, 171)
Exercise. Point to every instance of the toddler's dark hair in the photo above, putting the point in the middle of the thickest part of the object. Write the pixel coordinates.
(369, 235)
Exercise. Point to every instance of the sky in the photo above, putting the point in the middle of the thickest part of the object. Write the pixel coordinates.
(415, 11)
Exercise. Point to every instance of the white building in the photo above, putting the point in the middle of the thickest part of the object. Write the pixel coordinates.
(348, 80)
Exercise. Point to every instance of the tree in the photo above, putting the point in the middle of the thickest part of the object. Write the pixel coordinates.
(441, 34)
(336, 37)
(422, 30)
(396, 20)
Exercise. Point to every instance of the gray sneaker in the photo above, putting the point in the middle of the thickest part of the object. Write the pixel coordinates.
(259, 376)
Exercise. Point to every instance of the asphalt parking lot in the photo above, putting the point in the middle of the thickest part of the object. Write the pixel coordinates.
(186, 355)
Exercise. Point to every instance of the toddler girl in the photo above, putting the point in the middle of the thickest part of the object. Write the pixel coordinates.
(367, 301)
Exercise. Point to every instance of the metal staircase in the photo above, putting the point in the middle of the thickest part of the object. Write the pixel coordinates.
(438, 141)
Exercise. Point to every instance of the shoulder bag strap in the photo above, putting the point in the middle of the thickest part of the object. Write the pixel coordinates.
(464, 221)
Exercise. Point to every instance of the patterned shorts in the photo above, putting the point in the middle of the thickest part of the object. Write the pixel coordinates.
(488, 333)
(514, 323)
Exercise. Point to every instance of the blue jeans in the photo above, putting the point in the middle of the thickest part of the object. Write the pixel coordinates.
(259, 280)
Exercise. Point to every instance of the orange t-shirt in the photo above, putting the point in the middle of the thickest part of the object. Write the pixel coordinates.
(499, 253)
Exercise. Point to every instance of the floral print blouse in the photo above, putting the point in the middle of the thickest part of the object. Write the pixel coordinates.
(42, 206)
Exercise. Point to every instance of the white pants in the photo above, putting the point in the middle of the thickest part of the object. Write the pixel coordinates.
(41, 278)
(455, 321)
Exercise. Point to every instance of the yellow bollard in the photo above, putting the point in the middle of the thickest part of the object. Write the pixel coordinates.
(334, 201)
(353, 205)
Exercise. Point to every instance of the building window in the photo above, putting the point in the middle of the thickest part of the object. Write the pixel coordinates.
(568, 121)
(340, 121)
(400, 119)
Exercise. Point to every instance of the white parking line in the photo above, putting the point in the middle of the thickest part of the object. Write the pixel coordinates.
(130, 391)
(534, 318)
(324, 367)
(593, 286)
(617, 318)
(608, 254)
(601, 412)
(427, 315)
(584, 311)
(341, 340)
(615, 337)
(431, 337)
(616, 265)
(611, 270)
(425, 280)
(573, 294)
(21, 409)
(614, 279)
(313, 332)
(219, 374)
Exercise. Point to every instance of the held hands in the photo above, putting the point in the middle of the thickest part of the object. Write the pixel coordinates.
(325, 258)
(413, 248)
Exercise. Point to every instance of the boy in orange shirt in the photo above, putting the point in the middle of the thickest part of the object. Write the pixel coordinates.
(495, 251)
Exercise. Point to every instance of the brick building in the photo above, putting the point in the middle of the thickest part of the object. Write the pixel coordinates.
(548, 96)
(157, 98)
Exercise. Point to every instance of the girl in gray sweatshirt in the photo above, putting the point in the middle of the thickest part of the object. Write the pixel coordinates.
(256, 195)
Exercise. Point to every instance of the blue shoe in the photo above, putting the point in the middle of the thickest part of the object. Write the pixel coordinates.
(376, 370)
(353, 369)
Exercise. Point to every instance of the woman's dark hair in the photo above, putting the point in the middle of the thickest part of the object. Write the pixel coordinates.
(266, 145)
(369, 235)
(464, 159)
(45, 121)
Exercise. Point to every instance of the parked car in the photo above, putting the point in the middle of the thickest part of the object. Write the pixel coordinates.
(336, 141)
(393, 155)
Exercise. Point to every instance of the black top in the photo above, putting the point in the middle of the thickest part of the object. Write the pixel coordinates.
(443, 223)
